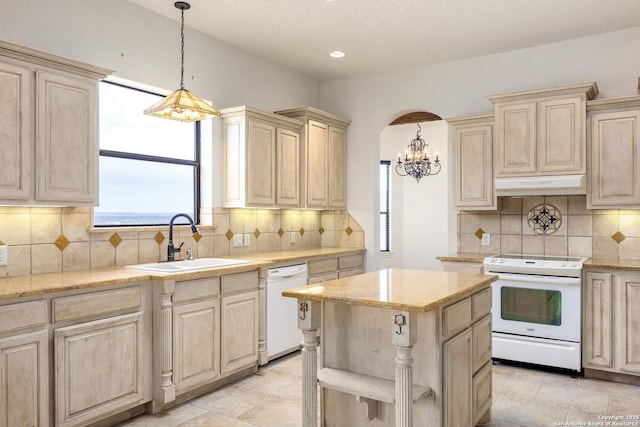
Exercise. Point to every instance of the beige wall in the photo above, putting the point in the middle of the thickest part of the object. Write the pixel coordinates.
(583, 232)
(51, 240)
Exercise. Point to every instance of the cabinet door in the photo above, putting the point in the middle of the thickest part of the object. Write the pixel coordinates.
(598, 321)
(99, 368)
(287, 168)
(515, 138)
(66, 139)
(615, 147)
(196, 344)
(15, 132)
(474, 181)
(337, 164)
(561, 136)
(261, 164)
(24, 380)
(316, 164)
(457, 380)
(239, 336)
(628, 324)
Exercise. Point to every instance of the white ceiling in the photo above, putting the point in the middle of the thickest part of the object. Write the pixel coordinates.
(380, 35)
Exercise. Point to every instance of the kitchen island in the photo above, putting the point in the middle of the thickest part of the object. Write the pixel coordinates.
(398, 347)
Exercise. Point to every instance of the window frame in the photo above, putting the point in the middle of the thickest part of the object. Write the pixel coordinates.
(196, 164)
(386, 213)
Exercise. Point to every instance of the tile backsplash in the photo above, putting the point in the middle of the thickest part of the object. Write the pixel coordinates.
(51, 240)
(600, 234)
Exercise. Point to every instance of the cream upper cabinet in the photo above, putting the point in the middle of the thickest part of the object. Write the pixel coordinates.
(49, 129)
(323, 158)
(614, 147)
(541, 132)
(260, 152)
(473, 157)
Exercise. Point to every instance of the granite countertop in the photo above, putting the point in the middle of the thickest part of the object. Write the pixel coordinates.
(397, 289)
(42, 284)
(465, 257)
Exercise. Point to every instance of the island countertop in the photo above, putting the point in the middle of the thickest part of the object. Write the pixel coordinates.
(397, 289)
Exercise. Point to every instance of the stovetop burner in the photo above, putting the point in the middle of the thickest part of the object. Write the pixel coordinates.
(535, 264)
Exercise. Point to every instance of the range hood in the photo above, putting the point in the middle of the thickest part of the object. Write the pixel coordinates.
(541, 185)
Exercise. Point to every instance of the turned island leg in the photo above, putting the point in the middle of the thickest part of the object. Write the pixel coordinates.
(308, 323)
(404, 336)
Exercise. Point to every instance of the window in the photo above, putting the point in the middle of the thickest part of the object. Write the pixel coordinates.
(385, 209)
(149, 167)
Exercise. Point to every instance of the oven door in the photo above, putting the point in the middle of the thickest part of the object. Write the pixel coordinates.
(537, 306)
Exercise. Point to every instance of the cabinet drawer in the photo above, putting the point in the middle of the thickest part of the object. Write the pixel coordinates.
(481, 392)
(96, 304)
(350, 261)
(322, 278)
(456, 317)
(23, 315)
(190, 290)
(239, 282)
(348, 273)
(481, 303)
(481, 342)
(322, 266)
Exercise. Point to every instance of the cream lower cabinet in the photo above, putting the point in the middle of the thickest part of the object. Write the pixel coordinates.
(24, 365)
(466, 361)
(260, 153)
(462, 267)
(612, 322)
(102, 365)
(336, 267)
(323, 158)
(473, 157)
(614, 147)
(49, 108)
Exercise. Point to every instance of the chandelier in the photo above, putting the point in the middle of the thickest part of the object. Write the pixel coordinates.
(417, 162)
(182, 104)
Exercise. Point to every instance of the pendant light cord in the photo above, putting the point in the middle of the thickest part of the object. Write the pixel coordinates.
(182, 51)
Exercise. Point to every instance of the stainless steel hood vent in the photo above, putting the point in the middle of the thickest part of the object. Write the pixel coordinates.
(541, 185)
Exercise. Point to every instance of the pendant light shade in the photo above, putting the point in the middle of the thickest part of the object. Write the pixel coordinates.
(181, 104)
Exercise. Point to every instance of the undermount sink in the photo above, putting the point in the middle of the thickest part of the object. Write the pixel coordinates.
(187, 265)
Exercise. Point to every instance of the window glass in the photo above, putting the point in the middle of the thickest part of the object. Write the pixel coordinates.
(149, 166)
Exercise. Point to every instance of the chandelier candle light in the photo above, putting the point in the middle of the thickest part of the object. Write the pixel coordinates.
(417, 162)
(181, 104)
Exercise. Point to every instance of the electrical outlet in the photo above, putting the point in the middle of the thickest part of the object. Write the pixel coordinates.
(486, 239)
(4, 257)
(247, 239)
(293, 237)
(237, 240)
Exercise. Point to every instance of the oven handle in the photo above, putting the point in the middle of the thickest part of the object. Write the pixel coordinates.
(531, 278)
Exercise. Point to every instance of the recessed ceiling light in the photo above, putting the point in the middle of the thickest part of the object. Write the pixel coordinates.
(337, 54)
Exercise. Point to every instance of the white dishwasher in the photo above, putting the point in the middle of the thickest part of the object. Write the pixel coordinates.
(283, 335)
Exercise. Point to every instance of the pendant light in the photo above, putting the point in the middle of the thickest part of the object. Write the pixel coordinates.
(181, 104)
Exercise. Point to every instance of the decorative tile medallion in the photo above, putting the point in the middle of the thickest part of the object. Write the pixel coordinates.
(618, 237)
(159, 238)
(229, 235)
(280, 232)
(62, 242)
(348, 230)
(479, 232)
(544, 219)
(302, 231)
(115, 240)
(256, 233)
(197, 236)
(321, 230)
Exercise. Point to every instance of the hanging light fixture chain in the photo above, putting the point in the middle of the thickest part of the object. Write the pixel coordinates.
(182, 49)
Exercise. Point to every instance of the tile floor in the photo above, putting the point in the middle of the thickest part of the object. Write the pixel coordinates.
(522, 397)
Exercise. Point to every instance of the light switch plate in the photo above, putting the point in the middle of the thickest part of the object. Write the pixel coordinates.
(4, 250)
(237, 240)
(247, 239)
(486, 239)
